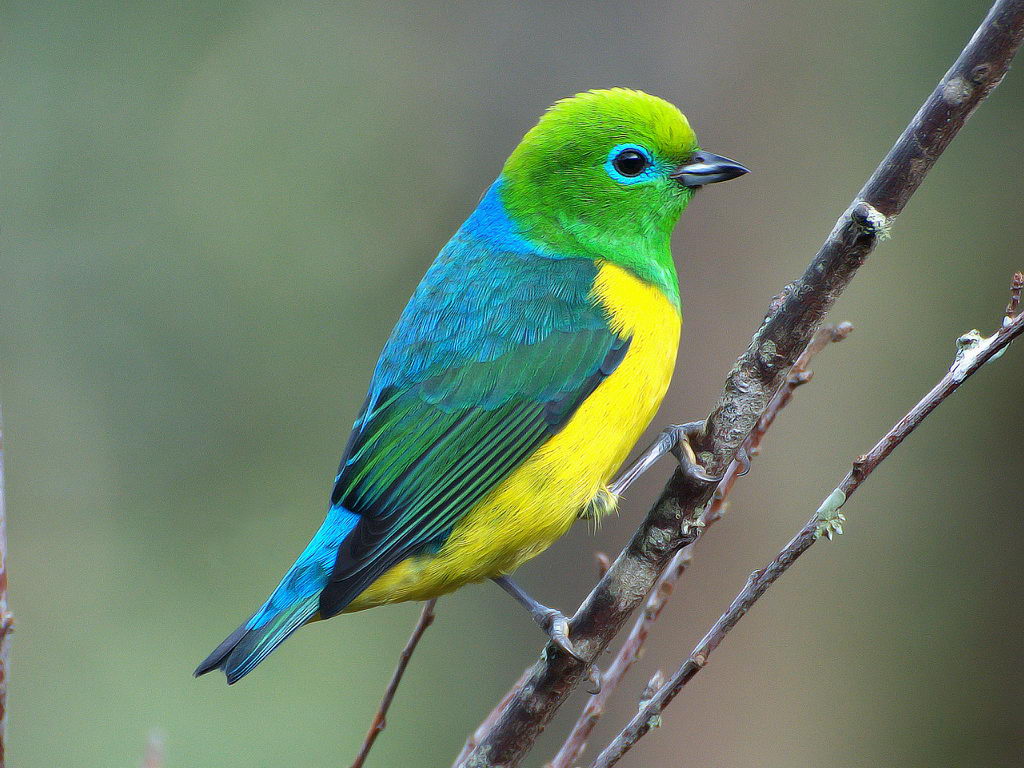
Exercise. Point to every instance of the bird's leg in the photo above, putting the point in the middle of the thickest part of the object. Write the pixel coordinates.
(552, 621)
(674, 439)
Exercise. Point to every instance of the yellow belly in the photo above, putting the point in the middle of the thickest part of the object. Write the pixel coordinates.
(538, 502)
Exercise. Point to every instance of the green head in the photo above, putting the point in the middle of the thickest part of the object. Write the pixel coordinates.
(606, 174)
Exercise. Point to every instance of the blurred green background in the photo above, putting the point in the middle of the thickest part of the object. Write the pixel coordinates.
(213, 213)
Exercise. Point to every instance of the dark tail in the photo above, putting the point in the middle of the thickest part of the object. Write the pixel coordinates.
(294, 602)
(248, 645)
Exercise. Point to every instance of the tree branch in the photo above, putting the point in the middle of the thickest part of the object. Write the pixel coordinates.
(6, 619)
(973, 352)
(632, 647)
(379, 722)
(791, 321)
(492, 718)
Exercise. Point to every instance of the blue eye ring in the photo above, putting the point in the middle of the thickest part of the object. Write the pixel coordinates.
(629, 164)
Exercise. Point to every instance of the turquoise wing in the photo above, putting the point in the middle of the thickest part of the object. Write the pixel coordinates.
(493, 354)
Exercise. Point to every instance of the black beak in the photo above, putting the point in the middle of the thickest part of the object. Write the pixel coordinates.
(706, 168)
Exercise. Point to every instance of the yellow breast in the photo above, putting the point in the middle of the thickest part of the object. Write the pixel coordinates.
(538, 502)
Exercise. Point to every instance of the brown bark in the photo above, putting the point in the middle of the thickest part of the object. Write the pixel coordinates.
(973, 352)
(789, 325)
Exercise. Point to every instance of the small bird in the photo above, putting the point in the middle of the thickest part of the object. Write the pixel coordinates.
(528, 362)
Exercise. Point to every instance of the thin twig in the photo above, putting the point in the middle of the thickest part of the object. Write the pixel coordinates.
(155, 754)
(799, 374)
(632, 647)
(489, 721)
(973, 352)
(758, 373)
(628, 654)
(1016, 287)
(6, 619)
(379, 722)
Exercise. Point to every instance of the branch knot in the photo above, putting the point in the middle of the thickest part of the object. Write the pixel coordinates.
(870, 220)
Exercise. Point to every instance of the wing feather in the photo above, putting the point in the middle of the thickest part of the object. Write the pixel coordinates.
(492, 355)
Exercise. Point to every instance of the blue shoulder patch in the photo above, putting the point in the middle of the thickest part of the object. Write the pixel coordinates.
(489, 292)
(490, 222)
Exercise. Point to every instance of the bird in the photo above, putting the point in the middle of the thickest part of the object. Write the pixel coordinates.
(528, 362)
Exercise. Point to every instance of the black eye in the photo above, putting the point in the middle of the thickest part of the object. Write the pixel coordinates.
(630, 162)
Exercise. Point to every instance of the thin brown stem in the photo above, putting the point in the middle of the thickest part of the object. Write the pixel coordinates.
(632, 648)
(489, 721)
(971, 356)
(379, 722)
(628, 655)
(1016, 288)
(759, 372)
(6, 619)
(155, 754)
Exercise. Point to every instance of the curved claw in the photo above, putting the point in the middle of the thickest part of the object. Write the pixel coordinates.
(694, 472)
(743, 459)
(683, 451)
(557, 628)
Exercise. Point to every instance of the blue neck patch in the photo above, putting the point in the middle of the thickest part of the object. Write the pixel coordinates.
(490, 222)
